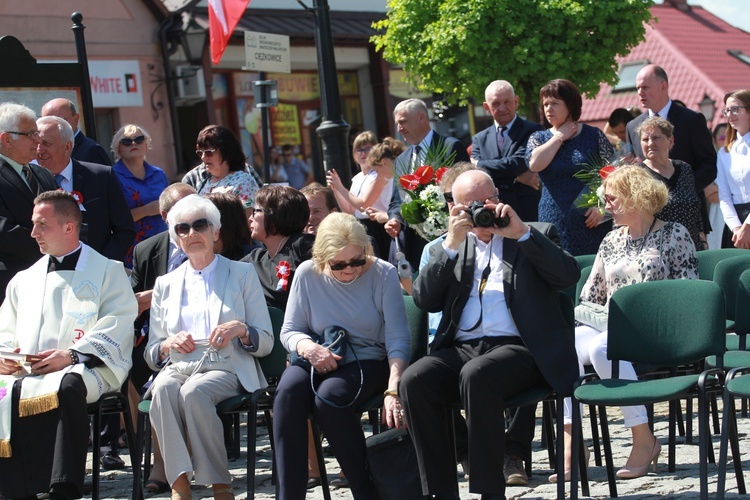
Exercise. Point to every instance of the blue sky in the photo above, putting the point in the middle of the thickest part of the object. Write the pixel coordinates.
(734, 12)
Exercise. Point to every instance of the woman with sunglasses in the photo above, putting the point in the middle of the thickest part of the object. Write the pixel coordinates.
(345, 286)
(224, 168)
(141, 182)
(640, 248)
(209, 323)
(733, 168)
(371, 188)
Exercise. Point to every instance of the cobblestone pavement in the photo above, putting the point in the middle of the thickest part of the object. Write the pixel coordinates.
(683, 483)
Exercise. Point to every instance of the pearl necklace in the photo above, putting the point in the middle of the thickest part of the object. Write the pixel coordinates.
(345, 283)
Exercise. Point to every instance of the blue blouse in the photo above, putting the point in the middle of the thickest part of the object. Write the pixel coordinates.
(139, 192)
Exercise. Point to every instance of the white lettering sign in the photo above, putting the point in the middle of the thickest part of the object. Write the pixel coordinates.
(266, 52)
(116, 84)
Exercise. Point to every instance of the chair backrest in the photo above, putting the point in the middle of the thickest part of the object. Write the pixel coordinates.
(727, 275)
(274, 363)
(418, 329)
(707, 260)
(742, 308)
(585, 272)
(585, 260)
(666, 323)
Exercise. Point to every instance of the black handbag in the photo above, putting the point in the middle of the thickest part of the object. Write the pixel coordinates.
(335, 339)
(392, 461)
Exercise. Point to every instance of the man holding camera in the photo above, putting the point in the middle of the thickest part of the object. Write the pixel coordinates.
(502, 332)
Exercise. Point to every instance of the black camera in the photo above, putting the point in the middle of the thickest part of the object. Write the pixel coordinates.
(485, 217)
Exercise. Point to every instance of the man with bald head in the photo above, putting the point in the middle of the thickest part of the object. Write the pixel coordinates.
(84, 148)
(501, 150)
(692, 139)
(502, 332)
(107, 222)
(20, 182)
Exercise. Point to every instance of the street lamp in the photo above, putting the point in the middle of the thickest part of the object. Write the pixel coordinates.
(193, 40)
(707, 107)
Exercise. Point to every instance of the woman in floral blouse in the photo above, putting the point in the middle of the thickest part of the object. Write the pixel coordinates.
(641, 248)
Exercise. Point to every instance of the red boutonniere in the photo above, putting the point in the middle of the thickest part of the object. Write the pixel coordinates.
(78, 197)
(283, 271)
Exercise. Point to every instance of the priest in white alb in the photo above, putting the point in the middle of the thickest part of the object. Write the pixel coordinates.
(72, 313)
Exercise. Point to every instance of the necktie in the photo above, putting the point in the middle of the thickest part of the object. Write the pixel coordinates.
(500, 139)
(30, 179)
(59, 178)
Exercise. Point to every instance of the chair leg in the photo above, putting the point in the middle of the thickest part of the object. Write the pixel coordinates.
(608, 451)
(548, 431)
(236, 440)
(736, 457)
(132, 449)
(147, 445)
(595, 436)
(95, 446)
(252, 434)
(689, 421)
(715, 414)
(703, 441)
(269, 426)
(321, 462)
(575, 436)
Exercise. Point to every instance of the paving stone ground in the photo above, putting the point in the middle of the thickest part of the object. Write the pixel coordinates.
(682, 484)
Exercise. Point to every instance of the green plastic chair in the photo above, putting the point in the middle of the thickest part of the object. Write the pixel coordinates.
(585, 260)
(658, 323)
(737, 384)
(727, 274)
(574, 292)
(737, 355)
(707, 260)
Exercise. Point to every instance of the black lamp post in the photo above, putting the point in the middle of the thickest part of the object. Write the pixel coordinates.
(193, 40)
(333, 130)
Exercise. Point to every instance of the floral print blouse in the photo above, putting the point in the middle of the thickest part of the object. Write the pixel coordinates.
(239, 183)
(664, 254)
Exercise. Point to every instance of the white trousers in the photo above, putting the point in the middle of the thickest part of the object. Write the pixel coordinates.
(184, 411)
(591, 346)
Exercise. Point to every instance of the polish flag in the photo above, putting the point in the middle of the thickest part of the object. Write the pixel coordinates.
(223, 16)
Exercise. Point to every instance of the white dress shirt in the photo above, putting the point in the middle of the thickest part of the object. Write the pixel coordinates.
(733, 179)
(194, 311)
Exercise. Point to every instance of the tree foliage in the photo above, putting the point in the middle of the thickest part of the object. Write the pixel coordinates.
(456, 47)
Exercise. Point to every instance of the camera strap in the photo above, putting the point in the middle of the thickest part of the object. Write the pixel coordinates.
(482, 285)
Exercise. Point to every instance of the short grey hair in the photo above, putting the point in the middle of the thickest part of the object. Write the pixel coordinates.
(63, 127)
(128, 129)
(11, 114)
(498, 85)
(411, 106)
(193, 206)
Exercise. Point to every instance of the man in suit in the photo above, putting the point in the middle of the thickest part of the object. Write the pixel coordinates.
(107, 223)
(501, 150)
(692, 139)
(84, 148)
(20, 182)
(413, 124)
(502, 332)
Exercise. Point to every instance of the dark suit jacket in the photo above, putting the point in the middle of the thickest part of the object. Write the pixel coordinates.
(692, 143)
(150, 260)
(108, 224)
(18, 250)
(533, 272)
(504, 166)
(85, 149)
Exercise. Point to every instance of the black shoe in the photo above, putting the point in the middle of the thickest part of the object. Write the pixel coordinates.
(313, 482)
(339, 482)
(112, 461)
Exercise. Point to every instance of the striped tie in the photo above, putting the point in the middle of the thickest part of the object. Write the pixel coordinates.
(30, 179)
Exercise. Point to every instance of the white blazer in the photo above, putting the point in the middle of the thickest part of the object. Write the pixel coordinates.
(237, 296)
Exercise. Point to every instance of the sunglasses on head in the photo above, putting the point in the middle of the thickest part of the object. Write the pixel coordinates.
(127, 141)
(199, 226)
(340, 266)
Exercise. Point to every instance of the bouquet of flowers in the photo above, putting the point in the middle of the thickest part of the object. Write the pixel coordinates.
(424, 206)
(592, 175)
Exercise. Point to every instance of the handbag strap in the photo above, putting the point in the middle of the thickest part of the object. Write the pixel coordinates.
(361, 381)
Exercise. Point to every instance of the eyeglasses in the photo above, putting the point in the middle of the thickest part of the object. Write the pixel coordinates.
(608, 198)
(127, 141)
(340, 266)
(448, 197)
(31, 135)
(495, 198)
(199, 226)
(734, 110)
(363, 151)
(208, 153)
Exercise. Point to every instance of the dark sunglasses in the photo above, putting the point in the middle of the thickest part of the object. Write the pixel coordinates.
(340, 266)
(208, 153)
(127, 141)
(448, 197)
(183, 229)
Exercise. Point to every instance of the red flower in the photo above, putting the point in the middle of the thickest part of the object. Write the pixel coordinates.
(605, 171)
(283, 271)
(78, 196)
(410, 182)
(439, 174)
(424, 173)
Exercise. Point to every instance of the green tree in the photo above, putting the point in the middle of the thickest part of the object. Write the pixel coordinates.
(456, 47)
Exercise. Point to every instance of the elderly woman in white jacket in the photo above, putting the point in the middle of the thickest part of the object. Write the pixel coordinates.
(209, 323)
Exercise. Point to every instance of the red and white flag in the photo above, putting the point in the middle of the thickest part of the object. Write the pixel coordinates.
(223, 16)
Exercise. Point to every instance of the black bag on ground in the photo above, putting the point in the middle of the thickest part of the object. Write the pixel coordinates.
(392, 460)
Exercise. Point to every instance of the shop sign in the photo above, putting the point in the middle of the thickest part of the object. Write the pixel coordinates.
(285, 120)
(116, 84)
(267, 52)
